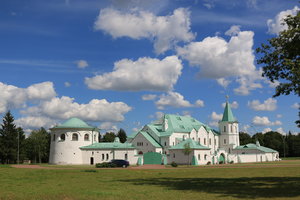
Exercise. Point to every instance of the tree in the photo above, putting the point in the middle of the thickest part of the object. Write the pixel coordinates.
(122, 135)
(11, 137)
(245, 138)
(258, 137)
(38, 145)
(187, 151)
(109, 137)
(281, 59)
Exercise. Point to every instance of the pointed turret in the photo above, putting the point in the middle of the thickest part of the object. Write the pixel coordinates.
(229, 129)
(227, 115)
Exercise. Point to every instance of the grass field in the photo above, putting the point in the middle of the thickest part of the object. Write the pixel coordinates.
(278, 181)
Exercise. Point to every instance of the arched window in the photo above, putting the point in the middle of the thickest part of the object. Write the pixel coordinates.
(107, 156)
(126, 156)
(205, 157)
(86, 137)
(231, 130)
(63, 137)
(199, 157)
(75, 137)
(224, 128)
(53, 137)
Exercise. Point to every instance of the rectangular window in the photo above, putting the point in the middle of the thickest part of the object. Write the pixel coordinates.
(224, 128)
(204, 141)
(103, 156)
(107, 156)
(215, 142)
(173, 155)
(209, 141)
(224, 141)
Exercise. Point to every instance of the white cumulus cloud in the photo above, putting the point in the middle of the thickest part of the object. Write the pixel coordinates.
(172, 99)
(264, 121)
(15, 97)
(143, 74)
(65, 107)
(277, 24)
(268, 105)
(164, 31)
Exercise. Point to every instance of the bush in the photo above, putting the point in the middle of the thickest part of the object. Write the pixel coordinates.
(208, 163)
(221, 162)
(231, 162)
(174, 164)
(105, 165)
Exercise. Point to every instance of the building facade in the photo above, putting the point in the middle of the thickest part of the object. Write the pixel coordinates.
(173, 138)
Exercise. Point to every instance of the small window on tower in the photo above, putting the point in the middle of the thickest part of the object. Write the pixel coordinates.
(224, 141)
(224, 128)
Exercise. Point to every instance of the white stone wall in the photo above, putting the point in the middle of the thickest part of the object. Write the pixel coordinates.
(67, 151)
(100, 156)
(177, 155)
(175, 138)
(143, 145)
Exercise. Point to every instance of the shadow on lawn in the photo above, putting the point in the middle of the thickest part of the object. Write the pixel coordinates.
(256, 187)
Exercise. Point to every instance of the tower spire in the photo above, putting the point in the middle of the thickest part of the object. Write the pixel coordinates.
(227, 115)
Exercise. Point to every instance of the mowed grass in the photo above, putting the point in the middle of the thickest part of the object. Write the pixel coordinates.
(242, 182)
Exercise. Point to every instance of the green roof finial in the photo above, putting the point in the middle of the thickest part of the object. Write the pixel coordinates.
(227, 115)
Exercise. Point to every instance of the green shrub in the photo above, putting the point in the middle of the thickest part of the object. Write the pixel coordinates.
(208, 163)
(174, 164)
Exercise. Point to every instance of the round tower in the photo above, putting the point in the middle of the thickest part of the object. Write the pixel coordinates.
(67, 138)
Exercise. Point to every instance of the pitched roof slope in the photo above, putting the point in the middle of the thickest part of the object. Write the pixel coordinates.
(256, 147)
(227, 115)
(193, 145)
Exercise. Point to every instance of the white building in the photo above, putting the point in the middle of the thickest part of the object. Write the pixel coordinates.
(173, 138)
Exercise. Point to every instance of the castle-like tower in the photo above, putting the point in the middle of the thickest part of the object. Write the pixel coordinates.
(67, 138)
(229, 129)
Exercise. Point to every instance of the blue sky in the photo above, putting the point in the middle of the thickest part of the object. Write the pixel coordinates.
(121, 64)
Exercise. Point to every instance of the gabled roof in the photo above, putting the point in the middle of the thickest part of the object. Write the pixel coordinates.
(193, 145)
(75, 123)
(150, 139)
(227, 115)
(176, 124)
(251, 146)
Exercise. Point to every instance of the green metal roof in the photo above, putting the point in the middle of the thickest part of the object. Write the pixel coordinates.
(193, 145)
(227, 115)
(256, 147)
(150, 139)
(109, 145)
(75, 123)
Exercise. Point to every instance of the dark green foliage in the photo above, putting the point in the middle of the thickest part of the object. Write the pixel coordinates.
(38, 146)
(105, 165)
(281, 59)
(288, 146)
(174, 164)
(122, 135)
(11, 139)
(245, 138)
(109, 137)
(259, 137)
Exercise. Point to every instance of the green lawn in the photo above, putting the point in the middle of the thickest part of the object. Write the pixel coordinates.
(267, 182)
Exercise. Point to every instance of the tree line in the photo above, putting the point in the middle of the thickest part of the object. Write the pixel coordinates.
(16, 148)
(287, 145)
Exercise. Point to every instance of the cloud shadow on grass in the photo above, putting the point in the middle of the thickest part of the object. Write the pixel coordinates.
(255, 187)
